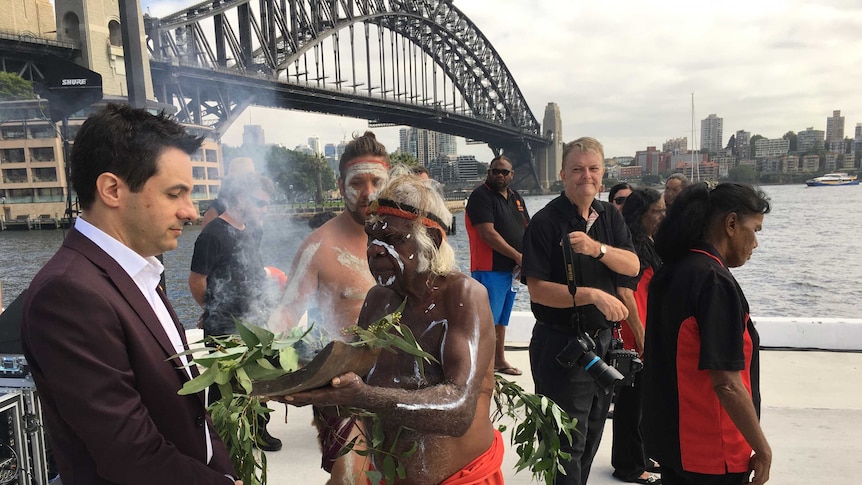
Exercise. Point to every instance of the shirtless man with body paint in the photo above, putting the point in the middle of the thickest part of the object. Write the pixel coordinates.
(329, 278)
(447, 410)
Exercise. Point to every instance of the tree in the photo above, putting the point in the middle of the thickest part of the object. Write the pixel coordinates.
(404, 158)
(298, 174)
(753, 144)
(742, 173)
(14, 87)
(790, 135)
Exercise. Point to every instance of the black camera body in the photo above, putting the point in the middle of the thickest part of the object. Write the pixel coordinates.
(581, 352)
(627, 362)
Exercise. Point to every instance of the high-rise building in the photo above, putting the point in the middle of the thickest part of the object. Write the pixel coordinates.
(423, 144)
(252, 136)
(742, 149)
(676, 146)
(314, 144)
(835, 132)
(809, 140)
(711, 133)
(446, 144)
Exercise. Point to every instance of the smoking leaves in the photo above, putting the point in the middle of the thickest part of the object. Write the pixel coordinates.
(540, 427)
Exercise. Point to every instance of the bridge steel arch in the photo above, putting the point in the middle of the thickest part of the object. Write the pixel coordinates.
(421, 63)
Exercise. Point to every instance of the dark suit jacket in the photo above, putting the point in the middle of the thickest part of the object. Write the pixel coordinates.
(99, 357)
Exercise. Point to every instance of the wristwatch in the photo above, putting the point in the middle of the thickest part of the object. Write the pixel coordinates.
(602, 251)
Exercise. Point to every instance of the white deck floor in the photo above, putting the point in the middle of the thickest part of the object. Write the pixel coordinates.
(812, 416)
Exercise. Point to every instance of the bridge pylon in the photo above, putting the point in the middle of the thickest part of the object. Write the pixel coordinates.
(549, 158)
(96, 25)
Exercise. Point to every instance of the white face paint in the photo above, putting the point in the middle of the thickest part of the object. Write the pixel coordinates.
(392, 252)
(352, 194)
(388, 282)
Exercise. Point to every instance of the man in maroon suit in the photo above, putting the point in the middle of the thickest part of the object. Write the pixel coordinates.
(98, 332)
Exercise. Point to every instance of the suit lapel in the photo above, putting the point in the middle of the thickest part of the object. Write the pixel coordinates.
(130, 292)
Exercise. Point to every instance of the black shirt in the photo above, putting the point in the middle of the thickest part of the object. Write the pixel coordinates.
(236, 280)
(697, 320)
(509, 216)
(543, 256)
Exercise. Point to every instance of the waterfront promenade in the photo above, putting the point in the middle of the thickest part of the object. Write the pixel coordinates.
(812, 417)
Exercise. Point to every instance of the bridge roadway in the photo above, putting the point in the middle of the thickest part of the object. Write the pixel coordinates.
(812, 414)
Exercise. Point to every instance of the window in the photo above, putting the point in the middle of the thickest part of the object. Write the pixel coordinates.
(41, 131)
(12, 155)
(198, 173)
(212, 174)
(53, 194)
(44, 174)
(71, 27)
(15, 176)
(42, 154)
(115, 36)
(14, 132)
(199, 192)
(212, 155)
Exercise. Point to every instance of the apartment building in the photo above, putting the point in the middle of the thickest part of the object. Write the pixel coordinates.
(33, 172)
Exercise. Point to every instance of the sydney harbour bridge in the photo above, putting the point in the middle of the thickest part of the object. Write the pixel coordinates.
(419, 63)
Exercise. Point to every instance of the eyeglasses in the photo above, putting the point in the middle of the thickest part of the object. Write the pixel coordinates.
(500, 171)
(620, 200)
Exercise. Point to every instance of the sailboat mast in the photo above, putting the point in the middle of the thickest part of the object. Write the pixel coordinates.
(694, 172)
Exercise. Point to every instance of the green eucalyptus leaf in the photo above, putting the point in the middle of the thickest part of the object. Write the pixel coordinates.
(199, 383)
(288, 358)
(246, 334)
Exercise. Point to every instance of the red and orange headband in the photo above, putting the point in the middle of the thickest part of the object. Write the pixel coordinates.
(391, 208)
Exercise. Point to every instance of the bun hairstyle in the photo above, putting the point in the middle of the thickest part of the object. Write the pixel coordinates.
(361, 146)
(698, 209)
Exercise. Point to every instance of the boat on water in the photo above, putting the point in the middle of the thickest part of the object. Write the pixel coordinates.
(831, 179)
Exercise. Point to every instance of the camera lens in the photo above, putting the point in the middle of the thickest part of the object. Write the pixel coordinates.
(602, 373)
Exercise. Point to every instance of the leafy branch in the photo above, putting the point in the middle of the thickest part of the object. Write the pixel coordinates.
(235, 362)
(537, 434)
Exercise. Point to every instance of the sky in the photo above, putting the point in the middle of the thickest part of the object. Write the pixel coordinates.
(624, 71)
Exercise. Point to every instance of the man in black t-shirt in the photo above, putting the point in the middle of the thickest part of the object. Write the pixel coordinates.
(227, 275)
(603, 250)
(496, 218)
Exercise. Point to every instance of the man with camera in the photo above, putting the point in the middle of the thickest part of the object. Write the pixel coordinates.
(575, 304)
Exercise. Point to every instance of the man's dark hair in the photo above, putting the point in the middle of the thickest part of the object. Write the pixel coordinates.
(366, 144)
(616, 188)
(126, 142)
(419, 170)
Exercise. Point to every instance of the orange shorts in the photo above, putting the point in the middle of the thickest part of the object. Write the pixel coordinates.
(485, 469)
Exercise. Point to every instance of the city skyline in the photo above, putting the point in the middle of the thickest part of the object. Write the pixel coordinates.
(628, 72)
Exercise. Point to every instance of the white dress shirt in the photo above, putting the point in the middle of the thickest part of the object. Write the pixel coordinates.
(146, 273)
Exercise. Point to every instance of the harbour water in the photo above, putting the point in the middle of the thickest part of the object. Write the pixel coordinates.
(805, 266)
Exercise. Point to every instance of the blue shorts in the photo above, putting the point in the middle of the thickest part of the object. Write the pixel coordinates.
(501, 293)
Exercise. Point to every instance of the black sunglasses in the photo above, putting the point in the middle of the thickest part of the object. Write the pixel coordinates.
(500, 171)
(620, 200)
